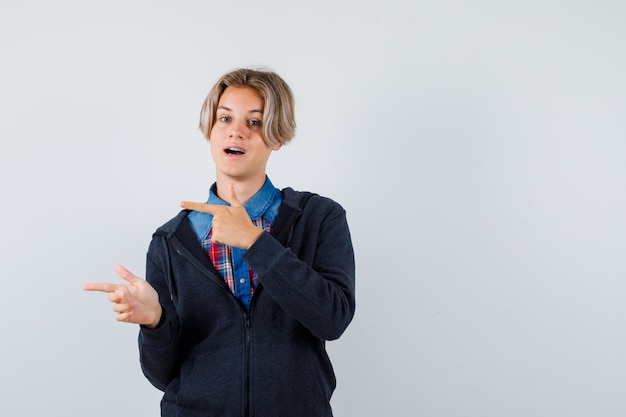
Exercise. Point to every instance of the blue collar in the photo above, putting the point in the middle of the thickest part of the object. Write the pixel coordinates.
(257, 205)
(264, 203)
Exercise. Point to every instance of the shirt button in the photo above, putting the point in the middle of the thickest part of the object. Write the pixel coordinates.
(242, 280)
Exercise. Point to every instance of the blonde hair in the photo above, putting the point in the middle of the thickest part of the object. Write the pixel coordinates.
(279, 123)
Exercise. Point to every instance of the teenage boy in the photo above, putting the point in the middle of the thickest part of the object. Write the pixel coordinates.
(243, 291)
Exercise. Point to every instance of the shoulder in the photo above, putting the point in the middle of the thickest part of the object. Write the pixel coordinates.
(172, 225)
(312, 202)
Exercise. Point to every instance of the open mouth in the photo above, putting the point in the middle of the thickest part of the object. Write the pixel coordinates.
(234, 151)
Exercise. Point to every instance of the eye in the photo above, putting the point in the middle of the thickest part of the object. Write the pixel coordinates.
(254, 123)
(224, 119)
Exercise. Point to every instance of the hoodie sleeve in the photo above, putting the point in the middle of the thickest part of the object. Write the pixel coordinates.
(314, 278)
(159, 348)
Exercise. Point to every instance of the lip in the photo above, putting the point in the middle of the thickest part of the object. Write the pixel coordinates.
(234, 152)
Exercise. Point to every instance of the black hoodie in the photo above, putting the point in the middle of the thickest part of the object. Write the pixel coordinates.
(212, 357)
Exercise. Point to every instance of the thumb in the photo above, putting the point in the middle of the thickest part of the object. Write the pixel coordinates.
(232, 195)
(126, 275)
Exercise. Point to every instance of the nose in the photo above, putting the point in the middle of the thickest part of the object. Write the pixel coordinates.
(236, 131)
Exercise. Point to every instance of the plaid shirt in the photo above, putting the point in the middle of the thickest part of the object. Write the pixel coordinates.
(228, 261)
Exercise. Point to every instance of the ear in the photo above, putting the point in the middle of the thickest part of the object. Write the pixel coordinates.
(277, 147)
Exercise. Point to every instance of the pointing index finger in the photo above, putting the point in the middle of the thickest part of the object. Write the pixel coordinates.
(100, 286)
(202, 207)
(234, 200)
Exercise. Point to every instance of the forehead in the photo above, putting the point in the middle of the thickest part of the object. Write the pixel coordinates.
(241, 98)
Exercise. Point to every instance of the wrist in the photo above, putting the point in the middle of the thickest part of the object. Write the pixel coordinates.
(159, 316)
(254, 237)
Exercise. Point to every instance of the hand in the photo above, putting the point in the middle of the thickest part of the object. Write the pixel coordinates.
(136, 302)
(231, 224)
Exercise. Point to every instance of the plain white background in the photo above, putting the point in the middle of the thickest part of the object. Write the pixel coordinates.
(478, 148)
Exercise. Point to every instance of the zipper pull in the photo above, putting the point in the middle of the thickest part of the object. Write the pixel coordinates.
(246, 318)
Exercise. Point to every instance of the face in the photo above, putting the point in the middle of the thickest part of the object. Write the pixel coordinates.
(237, 145)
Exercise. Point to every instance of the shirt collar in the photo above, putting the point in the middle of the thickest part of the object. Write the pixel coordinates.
(257, 205)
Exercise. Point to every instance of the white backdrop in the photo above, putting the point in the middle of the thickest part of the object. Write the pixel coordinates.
(478, 148)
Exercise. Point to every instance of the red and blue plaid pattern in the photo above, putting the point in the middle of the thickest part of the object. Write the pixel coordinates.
(222, 257)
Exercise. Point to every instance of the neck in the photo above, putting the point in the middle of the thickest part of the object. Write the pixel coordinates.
(245, 190)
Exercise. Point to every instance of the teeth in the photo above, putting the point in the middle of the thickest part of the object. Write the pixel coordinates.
(234, 150)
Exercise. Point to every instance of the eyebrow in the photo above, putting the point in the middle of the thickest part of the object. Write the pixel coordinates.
(229, 109)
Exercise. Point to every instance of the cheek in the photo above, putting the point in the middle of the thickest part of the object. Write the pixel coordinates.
(214, 135)
(213, 143)
(212, 132)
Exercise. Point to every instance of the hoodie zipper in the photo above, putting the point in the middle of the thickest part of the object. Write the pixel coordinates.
(246, 405)
(246, 320)
(247, 368)
(182, 251)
